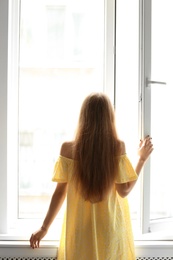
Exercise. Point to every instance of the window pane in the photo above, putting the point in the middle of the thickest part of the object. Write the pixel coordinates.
(127, 42)
(61, 61)
(161, 109)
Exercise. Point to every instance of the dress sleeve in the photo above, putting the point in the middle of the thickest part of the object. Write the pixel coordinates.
(125, 171)
(60, 173)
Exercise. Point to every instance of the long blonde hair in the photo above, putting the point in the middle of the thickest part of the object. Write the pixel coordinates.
(95, 148)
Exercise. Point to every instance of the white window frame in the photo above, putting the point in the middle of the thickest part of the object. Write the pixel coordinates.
(8, 114)
(145, 104)
(9, 31)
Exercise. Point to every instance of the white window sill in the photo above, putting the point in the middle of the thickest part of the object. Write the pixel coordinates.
(149, 245)
(21, 248)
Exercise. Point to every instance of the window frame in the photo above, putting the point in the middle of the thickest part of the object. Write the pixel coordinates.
(145, 105)
(9, 94)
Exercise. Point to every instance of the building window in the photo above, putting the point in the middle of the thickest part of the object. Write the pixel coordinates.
(63, 53)
(58, 55)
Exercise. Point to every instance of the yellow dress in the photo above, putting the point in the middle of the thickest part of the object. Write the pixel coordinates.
(100, 231)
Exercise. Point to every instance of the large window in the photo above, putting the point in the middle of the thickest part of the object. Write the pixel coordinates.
(161, 91)
(59, 51)
(53, 53)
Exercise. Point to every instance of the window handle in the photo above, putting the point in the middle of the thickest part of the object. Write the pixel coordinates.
(149, 82)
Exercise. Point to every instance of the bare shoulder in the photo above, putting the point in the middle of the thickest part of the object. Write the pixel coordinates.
(67, 149)
(122, 148)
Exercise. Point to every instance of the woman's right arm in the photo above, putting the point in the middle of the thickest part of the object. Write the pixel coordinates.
(54, 207)
(144, 151)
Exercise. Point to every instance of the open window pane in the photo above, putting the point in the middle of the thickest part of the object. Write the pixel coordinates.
(61, 61)
(161, 109)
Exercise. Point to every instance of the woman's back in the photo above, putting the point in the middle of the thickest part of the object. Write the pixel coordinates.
(94, 231)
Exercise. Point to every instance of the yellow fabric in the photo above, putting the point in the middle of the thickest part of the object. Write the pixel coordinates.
(100, 231)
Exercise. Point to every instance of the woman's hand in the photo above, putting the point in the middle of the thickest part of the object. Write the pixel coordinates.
(36, 237)
(145, 148)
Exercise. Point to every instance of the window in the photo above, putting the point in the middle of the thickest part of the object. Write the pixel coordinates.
(143, 65)
(160, 93)
(51, 73)
(63, 53)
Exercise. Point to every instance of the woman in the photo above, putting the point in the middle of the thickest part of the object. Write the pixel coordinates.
(96, 174)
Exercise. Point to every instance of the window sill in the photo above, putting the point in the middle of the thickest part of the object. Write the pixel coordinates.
(21, 248)
(154, 248)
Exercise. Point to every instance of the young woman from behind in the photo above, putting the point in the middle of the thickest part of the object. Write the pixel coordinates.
(95, 174)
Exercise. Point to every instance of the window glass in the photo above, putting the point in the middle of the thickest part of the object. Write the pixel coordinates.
(127, 53)
(60, 62)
